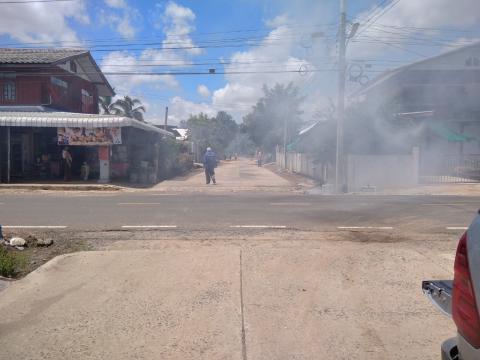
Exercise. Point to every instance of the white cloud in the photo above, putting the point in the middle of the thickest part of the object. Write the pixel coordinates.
(236, 98)
(407, 18)
(277, 21)
(126, 84)
(44, 22)
(120, 16)
(181, 109)
(243, 91)
(119, 4)
(203, 91)
(434, 13)
(178, 25)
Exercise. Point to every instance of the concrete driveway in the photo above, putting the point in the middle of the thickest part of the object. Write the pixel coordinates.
(307, 300)
(126, 305)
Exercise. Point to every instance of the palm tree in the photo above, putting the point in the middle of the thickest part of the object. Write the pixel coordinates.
(128, 107)
(105, 103)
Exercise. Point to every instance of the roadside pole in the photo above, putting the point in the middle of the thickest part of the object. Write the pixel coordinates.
(166, 118)
(285, 142)
(341, 96)
(9, 161)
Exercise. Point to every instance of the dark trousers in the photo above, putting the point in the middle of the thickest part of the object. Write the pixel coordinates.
(210, 175)
(67, 171)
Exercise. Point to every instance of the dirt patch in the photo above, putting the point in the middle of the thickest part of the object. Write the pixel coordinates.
(68, 242)
(34, 256)
(375, 237)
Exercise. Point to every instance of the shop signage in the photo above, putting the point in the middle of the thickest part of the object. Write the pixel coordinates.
(89, 136)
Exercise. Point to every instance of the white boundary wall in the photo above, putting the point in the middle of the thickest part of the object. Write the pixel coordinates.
(382, 171)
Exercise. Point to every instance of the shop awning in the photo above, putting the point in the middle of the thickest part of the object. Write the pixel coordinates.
(67, 119)
(449, 135)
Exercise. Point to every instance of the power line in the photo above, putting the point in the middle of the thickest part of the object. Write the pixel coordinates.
(180, 73)
(408, 36)
(427, 28)
(385, 10)
(171, 36)
(394, 46)
(374, 11)
(261, 43)
(33, 1)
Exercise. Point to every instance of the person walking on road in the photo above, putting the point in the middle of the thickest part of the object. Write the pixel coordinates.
(210, 163)
(67, 164)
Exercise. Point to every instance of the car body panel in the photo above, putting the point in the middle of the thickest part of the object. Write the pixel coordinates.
(473, 247)
(449, 349)
(439, 292)
(467, 351)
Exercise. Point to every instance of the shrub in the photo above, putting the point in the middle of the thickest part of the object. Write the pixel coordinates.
(8, 263)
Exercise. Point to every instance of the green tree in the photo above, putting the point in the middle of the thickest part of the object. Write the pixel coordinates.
(107, 106)
(265, 124)
(217, 132)
(130, 107)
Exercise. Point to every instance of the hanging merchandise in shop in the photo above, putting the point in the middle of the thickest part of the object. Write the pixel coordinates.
(89, 136)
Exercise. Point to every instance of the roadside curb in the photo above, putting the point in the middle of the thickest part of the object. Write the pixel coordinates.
(66, 187)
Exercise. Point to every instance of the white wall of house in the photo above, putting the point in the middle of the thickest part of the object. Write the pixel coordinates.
(382, 171)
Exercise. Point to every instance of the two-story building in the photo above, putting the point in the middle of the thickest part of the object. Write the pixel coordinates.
(48, 100)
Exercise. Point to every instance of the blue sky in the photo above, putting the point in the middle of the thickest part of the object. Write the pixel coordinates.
(252, 37)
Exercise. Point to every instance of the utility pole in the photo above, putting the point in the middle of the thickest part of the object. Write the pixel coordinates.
(341, 96)
(9, 154)
(285, 128)
(166, 118)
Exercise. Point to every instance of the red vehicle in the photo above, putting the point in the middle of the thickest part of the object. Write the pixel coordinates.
(460, 298)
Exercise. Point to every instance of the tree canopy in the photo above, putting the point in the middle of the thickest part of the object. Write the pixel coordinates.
(265, 124)
(107, 106)
(127, 106)
(216, 132)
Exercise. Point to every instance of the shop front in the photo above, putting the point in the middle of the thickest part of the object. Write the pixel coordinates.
(101, 147)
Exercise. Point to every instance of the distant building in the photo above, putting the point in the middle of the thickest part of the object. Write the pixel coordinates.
(178, 133)
(439, 97)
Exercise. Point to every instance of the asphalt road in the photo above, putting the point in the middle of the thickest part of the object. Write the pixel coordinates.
(246, 196)
(218, 286)
(221, 211)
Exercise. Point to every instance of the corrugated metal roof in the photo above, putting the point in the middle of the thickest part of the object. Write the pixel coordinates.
(391, 73)
(36, 56)
(67, 119)
(26, 108)
(308, 128)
